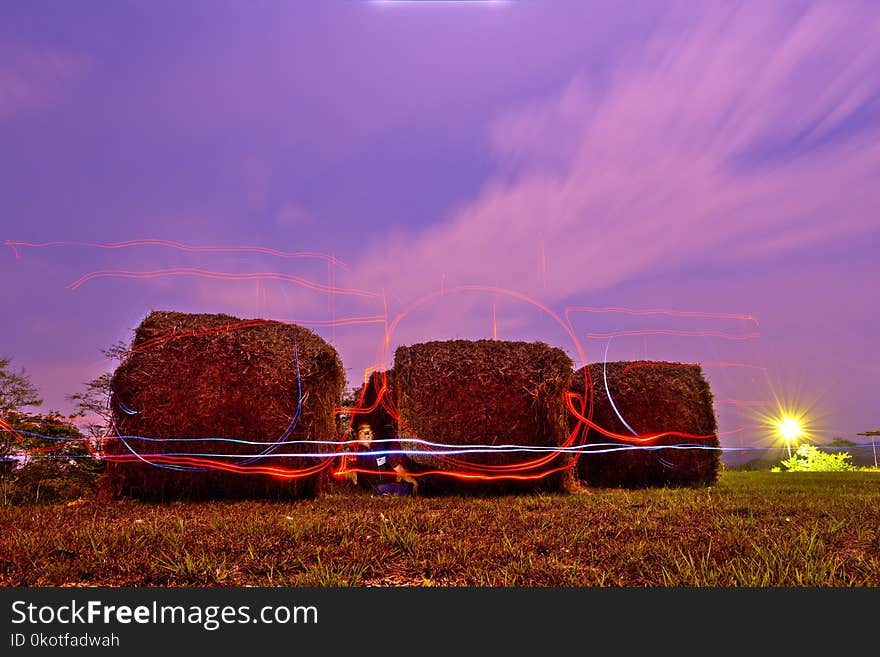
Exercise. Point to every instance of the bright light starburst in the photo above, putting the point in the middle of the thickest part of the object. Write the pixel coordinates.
(789, 428)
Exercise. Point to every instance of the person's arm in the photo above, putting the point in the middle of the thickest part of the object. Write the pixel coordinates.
(398, 464)
(351, 475)
(403, 475)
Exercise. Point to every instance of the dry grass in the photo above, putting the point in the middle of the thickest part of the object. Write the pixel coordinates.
(751, 529)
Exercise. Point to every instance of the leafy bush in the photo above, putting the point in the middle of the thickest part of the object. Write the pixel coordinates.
(810, 459)
(45, 458)
(50, 461)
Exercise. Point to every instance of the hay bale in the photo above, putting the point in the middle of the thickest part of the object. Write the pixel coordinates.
(485, 392)
(652, 397)
(206, 376)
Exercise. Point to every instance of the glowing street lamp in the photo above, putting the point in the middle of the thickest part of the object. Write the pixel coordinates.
(789, 429)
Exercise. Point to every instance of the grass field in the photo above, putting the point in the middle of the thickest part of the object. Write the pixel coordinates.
(750, 529)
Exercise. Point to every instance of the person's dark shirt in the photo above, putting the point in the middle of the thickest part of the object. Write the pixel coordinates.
(375, 463)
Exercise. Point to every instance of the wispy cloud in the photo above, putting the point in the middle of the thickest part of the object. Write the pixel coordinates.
(728, 135)
(32, 77)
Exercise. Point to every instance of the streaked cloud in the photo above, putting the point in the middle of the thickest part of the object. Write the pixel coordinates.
(33, 77)
(728, 135)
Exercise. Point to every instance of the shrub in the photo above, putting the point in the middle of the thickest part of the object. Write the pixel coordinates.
(49, 462)
(810, 459)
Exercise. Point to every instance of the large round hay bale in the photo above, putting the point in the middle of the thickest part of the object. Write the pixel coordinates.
(191, 376)
(651, 397)
(474, 394)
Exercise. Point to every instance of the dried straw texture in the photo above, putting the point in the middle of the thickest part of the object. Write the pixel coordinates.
(485, 393)
(209, 376)
(652, 397)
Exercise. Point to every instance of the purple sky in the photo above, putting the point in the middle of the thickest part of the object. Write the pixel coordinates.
(713, 157)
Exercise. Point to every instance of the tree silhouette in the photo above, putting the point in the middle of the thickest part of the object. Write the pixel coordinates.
(16, 390)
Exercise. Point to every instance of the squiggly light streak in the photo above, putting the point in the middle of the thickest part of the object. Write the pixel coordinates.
(661, 311)
(647, 438)
(691, 334)
(218, 275)
(633, 366)
(608, 392)
(182, 247)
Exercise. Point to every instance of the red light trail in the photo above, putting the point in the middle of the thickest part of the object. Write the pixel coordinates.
(14, 244)
(701, 364)
(217, 275)
(580, 406)
(661, 311)
(689, 334)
